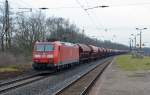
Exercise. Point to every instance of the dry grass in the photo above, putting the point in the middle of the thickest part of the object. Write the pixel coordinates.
(12, 66)
(8, 69)
(126, 62)
(10, 62)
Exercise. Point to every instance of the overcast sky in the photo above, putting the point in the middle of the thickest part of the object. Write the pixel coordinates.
(116, 22)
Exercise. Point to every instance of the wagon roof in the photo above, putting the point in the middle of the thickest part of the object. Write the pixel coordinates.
(84, 47)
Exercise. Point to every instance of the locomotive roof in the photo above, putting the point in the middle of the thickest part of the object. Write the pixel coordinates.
(57, 42)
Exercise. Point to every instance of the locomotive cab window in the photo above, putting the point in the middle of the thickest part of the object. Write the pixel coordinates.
(42, 47)
(39, 48)
(49, 47)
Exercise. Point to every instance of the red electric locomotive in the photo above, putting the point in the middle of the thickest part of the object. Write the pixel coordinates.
(54, 54)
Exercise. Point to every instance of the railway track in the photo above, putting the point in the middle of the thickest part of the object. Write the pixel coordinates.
(82, 85)
(7, 87)
(16, 83)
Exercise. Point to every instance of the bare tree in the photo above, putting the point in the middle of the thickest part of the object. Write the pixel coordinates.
(29, 30)
(2, 34)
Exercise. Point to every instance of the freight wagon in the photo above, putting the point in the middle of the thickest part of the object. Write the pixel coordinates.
(57, 54)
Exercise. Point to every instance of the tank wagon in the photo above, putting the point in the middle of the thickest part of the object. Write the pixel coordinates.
(57, 54)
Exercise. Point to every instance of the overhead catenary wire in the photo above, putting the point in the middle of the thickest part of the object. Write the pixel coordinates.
(97, 19)
(131, 4)
(14, 9)
(29, 4)
(17, 4)
(118, 5)
(21, 5)
(92, 20)
(86, 12)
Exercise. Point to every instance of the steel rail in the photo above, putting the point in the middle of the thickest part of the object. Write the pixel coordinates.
(5, 87)
(73, 82)
(91, 84)
(6, 82)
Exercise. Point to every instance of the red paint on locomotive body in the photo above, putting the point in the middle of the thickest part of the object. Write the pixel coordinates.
(55, 53)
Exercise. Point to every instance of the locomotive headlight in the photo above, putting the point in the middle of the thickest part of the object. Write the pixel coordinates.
(50, 56)
(37, 56)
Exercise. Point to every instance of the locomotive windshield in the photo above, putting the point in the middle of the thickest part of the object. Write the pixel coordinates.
(44, 47)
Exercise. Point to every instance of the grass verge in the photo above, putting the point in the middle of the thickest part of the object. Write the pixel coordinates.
(126, 62)
(15, 67)
(12, 71)
(8, 69)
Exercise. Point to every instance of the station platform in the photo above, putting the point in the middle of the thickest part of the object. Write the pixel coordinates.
(115, 81)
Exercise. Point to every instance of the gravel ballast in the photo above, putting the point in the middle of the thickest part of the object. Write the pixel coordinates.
(53, 82)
